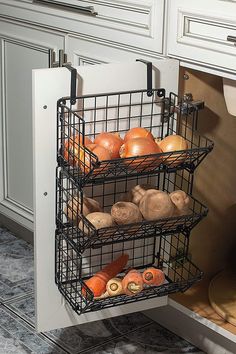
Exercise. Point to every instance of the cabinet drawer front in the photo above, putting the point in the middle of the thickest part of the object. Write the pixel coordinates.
(201, 35)
(136, 23)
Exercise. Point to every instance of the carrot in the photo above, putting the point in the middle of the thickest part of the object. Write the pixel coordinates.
(132, 283)
(97, 284)
(153, 276)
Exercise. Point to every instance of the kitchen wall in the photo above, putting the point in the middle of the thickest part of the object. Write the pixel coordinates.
(213, 241)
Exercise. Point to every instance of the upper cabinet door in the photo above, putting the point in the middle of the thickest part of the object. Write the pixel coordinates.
(52, 310)
(22, 48)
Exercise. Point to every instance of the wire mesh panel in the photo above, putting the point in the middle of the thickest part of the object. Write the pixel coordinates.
(80, 124)
(73, 204)
(73, 269)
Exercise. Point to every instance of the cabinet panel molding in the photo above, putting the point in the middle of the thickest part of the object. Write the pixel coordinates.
(199, 35)
(22, 49)
(131, 22)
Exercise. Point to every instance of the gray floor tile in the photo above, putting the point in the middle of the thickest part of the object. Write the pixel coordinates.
(17, 337)
(150, 339)
(16, 266)
(84, 336)
(6, 236)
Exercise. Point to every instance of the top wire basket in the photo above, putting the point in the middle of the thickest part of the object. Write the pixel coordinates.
(162, 115)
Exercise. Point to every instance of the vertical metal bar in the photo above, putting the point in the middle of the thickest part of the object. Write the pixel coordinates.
(51, 57)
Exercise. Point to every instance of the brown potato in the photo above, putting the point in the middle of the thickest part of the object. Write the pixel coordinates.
(73, 208)
(137, 192)
(125, 213)
(156, 205)
(181, 201)
(98, 220)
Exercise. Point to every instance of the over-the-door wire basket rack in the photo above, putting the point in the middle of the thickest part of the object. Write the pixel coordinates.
(81, 249)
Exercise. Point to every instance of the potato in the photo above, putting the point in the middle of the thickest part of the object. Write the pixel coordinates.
(125, 213)
(98, 220)
(137, 193)
(155, 205)
(181, 201)
(72, 210)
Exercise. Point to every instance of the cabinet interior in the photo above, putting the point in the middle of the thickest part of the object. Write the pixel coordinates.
(214, 183)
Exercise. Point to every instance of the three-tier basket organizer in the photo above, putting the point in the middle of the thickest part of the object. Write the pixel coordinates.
(81, 249)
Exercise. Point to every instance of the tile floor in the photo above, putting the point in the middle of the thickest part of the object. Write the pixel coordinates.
(133, 333)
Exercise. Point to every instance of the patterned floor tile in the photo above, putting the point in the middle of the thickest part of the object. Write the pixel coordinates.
(16, 265)
(19, 338)
(6, 236)
(84, 336)
(151, 339)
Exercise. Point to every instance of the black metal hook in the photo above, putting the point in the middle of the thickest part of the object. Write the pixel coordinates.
(149, 76)
(73, 82)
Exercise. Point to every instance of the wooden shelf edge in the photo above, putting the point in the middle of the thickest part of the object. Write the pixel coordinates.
(202, 320)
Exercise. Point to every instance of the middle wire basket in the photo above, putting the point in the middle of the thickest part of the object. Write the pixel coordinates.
(71, 217)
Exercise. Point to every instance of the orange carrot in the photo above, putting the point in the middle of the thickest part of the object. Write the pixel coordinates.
(132, 283)
(97, 284)
(153, 276)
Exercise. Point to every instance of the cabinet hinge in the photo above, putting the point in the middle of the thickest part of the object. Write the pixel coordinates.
(62, 58)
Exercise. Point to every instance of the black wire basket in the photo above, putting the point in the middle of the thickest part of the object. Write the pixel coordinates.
(117, 113)
(168, 253)
(71, 218)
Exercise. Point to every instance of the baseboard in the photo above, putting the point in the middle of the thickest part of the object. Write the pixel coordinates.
(17, 229)
(206, 335)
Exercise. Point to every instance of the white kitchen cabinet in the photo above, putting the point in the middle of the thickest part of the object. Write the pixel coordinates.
(198, 33)
(135, 23)
(23, 48)
(83, 51)
(26, 37)
(48, 86)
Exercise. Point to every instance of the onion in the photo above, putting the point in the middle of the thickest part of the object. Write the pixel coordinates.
(72, 148)
(173, 143)
(138, 133)
(86, 159)
(111, 142)
(139, 147)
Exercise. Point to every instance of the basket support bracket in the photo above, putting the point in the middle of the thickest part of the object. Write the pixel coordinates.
(149, 76)
(73, 82)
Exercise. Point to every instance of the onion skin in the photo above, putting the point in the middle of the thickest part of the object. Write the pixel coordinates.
(138, 132)
(86, 160)
(111, 142)
(173, 143)
(139, 147)
(72, 149)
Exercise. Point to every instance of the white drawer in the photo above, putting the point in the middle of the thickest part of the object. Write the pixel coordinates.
(136, 23)
(200, 34)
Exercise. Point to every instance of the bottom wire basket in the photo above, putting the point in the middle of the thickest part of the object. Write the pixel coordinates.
(168, 253)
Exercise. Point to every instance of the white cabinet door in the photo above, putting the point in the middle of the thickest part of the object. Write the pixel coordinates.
(22, 48)
(52, 311)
